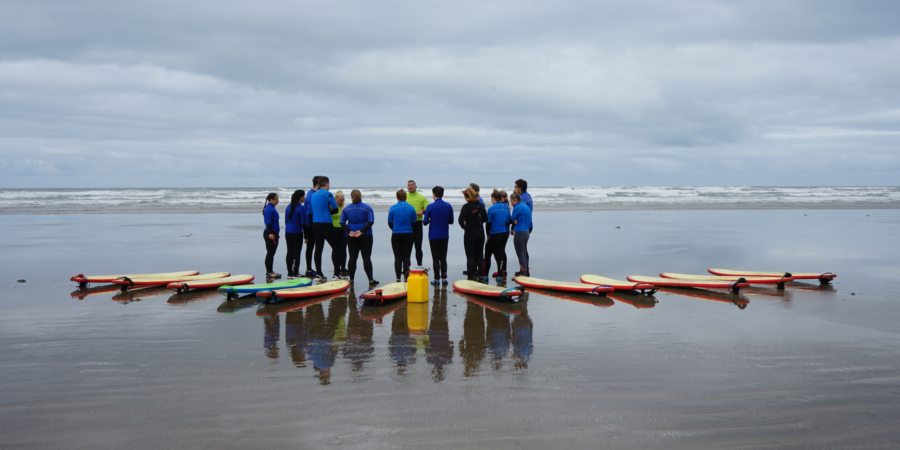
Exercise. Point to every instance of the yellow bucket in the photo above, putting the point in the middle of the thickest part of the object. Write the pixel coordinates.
(417, 285)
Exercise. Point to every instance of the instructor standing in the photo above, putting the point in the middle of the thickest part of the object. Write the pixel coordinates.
(419, 202)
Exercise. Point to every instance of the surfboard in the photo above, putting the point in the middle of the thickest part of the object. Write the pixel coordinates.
(381, 295)
(733, 286)
(485, 290)
(237, 291)
(751, 280)
(136, 295)
(566, 286)
(188, 286)
(184, 298)
(619, 285)
(306, 291)
(83, 279)
(822, 277)
(127, 282)
(376, 314)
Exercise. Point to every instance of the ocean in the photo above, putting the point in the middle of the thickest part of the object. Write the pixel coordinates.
(212, 200)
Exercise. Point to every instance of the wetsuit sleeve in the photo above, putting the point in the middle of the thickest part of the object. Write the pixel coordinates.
(450, 216)
(332, 205)
(343, 219)
(426, 218)
(461, 212)
(345, 227)
(367, 226)
(391, 218)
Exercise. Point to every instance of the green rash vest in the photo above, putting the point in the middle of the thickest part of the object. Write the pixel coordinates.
(418, 201)
(336, 218)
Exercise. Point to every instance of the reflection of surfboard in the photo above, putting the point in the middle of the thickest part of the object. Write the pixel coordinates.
(503, 307)
(193, 296)
(287, 305)
(738, 301)
(232, 306)
(188, 286)
(384, 294)
(485, 290)
(85, 279)
(565, 286)
(618, 285)
(306, 291)
(83, 292)
(822, 277)
(237, 291)
(126, 282)
(733, 286)
(375, 314)
(578, 297)
(138, 294)
(640, 302)
(752, 280)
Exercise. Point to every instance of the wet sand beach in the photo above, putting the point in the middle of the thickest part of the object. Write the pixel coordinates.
(804, 367)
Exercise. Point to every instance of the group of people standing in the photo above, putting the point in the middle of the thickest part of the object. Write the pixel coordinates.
(319, 217)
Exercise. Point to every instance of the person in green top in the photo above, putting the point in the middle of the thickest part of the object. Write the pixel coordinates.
(341, 248)
(419, 202)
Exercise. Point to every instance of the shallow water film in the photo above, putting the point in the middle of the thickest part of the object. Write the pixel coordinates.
(807, 366)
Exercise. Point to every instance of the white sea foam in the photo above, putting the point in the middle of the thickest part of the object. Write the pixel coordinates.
(19, 201)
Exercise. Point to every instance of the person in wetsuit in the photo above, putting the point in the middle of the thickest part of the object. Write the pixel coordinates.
(419, 202)
(438, 217)
(521, 217)
(310, 233)
(357, 220)
(401, 217)
(323, 206)
(294, 223)
(270, 233)
(339, 236)
(498, 234)
(472, 217)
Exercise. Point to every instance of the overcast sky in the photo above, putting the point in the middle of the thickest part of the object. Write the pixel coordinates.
(268, 93)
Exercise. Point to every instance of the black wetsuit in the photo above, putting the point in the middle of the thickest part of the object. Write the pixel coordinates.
(472, 217)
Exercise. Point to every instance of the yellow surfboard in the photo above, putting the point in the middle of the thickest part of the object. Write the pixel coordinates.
(127, 282)
(307, 291)
(822, 277)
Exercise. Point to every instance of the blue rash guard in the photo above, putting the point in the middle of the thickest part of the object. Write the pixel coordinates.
(295, 225)
(401, 216)
(438, 216)
(498, 218)
(526, 199)
(356, 216)
(270, 217)
(481, 201)
(322, 205)
(522, 213)
(308, 204)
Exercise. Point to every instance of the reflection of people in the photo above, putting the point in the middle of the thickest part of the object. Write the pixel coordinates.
(270, 233)
(471, 346)
(322, 349)
(438, 216)
(419, 202)
(497, 336)
(401, 217)
(357, 220)
(401, 346)
(339, 236)
(439, 351)
(294, 223)
(360, 347)
(471, 218)
(522, 343)
(271, 333)
(296, 337)
(498, 234)
(521, 217)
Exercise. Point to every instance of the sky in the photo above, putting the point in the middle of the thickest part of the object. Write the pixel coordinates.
(97, 93)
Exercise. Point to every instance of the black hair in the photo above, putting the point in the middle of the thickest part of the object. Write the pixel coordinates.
(496, 195)
(295, 199)
(475, 188)
(522, 184)
(323, 180)
(411, 181)
(438, 191)
(316, 180)
(269, 197)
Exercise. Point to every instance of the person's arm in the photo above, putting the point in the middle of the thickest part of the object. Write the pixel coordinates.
(426, 217)
(346, 228)
(332, 205)
(462, 223)
(451, 216)
(366, 228)
(391, 219)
